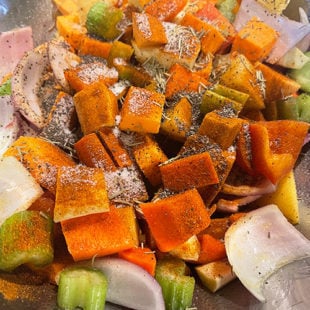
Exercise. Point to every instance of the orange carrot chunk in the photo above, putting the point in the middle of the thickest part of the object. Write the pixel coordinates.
(141, 256)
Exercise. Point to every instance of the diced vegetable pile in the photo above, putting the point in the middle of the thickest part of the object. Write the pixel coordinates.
(145, 130)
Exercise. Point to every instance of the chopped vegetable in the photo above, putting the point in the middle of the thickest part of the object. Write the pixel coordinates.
(81, 286)
(26, 238)
(277, 243)
(102, 20)
(177, 286)
(5, 88)
(302, 75)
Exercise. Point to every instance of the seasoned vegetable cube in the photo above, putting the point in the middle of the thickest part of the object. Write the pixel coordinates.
(142, 110)
(80, 191)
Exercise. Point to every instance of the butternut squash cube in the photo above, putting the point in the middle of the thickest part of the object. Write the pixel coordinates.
(119, 50)
(173, 220)
(194, 171)
(113, 145)
(211, 38)
(221, 128)
(94, 47)
(80, 191)
(148, 30)
(101, 234)
(183, 47)
(68, 26)
(277, 85)
(241, 75)
(177, 120)
(149, 156)
(142, 110)
(255, 40)
(96, 107)
(181, 79)
(86, 74)
(92, 153)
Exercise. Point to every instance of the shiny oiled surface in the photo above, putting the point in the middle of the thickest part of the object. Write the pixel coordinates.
(41, 16)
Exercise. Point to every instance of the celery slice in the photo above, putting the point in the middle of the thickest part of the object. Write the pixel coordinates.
(302, 75)
(177, 287)
(82, 286)
(26, 238)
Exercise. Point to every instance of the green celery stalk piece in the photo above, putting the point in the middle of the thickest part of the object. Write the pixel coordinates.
(26, 238)
(303, 103)
(82, 286)
(102, 20)
(177, 286)
(302, 75)
(5, 88)
(226, 7)
(287, 109)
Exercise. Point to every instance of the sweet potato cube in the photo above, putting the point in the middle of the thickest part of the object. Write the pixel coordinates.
(178, 120)
(220, 128)
(114, 146)
(86, 74)
(101, 234)
(80, 191)
(149, 156)
(142, 111)
(175, 219)
(191, 171)
(211, 38)
(96, 107)
(255, 40)
(92, 153)
(148, 30)
(241, 75)
(182, 79)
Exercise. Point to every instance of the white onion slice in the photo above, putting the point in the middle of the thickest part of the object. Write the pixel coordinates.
(130, 285)
(61, 59)
(18, 189)
(260, 243)
(26, 81)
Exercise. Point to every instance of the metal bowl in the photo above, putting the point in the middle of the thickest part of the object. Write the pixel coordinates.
(36, 295)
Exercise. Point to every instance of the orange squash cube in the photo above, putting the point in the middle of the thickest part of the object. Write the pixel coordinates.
(178, 120)
(174, 219)
(220, 128)
(147, 30)
(85, 74)
(211, 40)
(113, 145)
(149, 156)
(92, 153)
(242, 76)
(101, 234)
(80, 191)
(41, 158)
(142, 111)
(94, 47)
(68, 26)
(96, 107)
(255, 40)
(188, 172)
